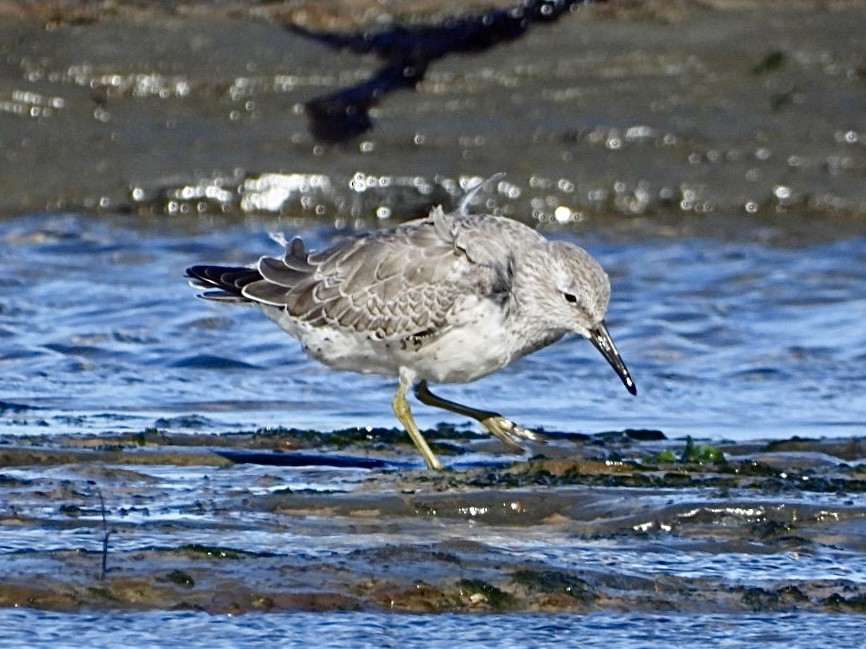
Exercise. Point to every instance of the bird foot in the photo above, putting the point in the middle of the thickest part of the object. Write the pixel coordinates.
(509, 432)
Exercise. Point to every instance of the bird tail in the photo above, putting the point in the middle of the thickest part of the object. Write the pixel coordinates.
(223, 283)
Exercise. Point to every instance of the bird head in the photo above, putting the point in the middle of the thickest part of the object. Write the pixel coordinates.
(579, 303)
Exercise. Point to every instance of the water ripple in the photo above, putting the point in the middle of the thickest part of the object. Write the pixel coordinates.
(376, 630)
(725, 338)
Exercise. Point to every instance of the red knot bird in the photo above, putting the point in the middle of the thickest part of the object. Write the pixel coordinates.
(448, 298)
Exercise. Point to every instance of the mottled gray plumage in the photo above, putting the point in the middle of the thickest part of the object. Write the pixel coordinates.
(448, 298)
(400, 284)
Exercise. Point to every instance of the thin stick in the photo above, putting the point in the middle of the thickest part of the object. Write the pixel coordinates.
(105, 534)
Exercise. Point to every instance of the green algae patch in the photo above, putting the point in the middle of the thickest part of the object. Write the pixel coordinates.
(855, 604)
(554, 583)
(477, 593)
(179, 577)
(667, 456)
(702, 453)
(214, 552)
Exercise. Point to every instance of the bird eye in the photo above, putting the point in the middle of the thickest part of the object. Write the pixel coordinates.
(570, 298)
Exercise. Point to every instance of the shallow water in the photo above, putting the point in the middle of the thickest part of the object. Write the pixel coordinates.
(710, 155)
(381, 630)
(726, 339)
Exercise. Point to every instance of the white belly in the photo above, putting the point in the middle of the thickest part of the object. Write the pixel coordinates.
(463, 353)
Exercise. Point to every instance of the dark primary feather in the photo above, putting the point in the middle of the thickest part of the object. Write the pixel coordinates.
(223, 283)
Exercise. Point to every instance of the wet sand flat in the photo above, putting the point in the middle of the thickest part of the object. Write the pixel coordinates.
(745, 109)
(232, 524)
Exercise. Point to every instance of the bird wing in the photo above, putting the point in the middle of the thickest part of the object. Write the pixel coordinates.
(409, 282)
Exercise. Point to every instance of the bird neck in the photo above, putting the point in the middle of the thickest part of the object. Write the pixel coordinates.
(529, 307)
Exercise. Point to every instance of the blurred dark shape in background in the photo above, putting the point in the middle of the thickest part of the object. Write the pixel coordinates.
(407, 52)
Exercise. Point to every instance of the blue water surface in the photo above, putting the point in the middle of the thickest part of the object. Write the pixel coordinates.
(29, 628)
(726, 339)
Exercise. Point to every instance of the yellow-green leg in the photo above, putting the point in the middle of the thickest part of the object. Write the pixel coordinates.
(504, 429)
(404, 415)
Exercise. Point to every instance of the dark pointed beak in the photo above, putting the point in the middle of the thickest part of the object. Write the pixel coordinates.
(604, 343)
